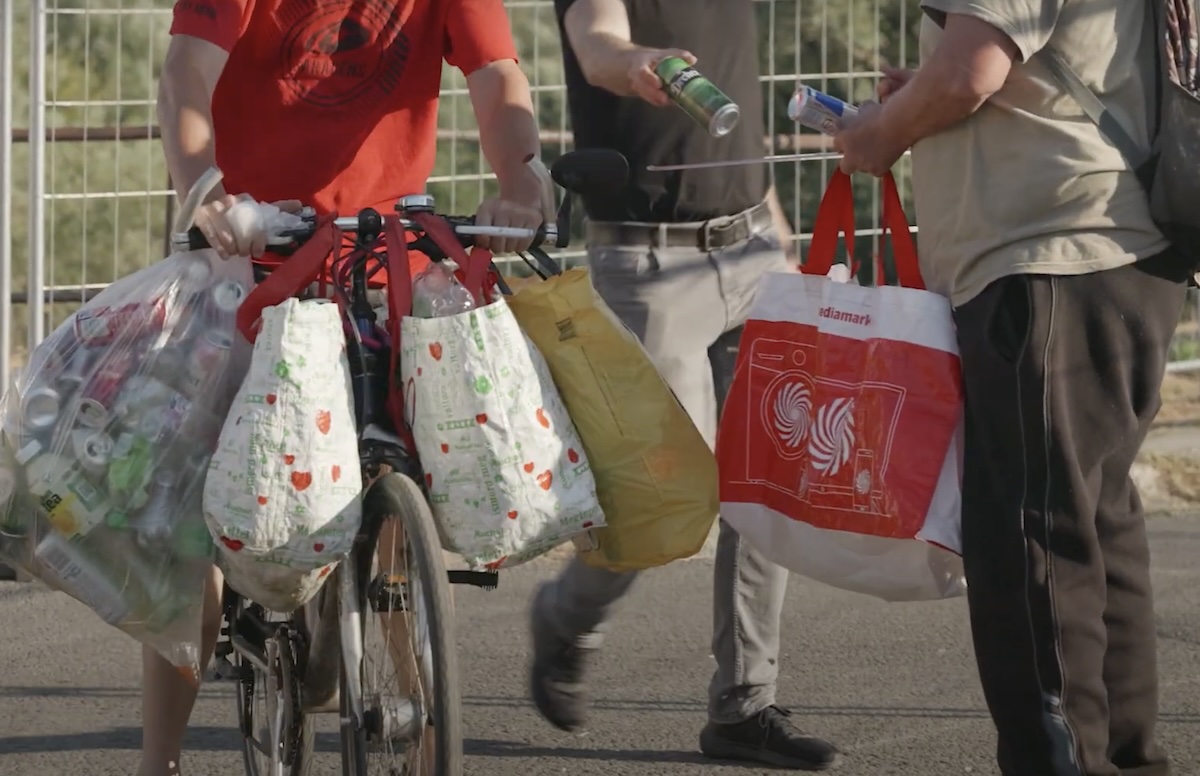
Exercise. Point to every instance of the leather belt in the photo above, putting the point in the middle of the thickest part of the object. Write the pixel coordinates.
(710, 235)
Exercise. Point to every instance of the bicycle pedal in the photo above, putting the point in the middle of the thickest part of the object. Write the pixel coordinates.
(224, 670)
(484, 580)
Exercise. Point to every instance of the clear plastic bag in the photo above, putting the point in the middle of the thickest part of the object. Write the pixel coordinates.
(107, 433)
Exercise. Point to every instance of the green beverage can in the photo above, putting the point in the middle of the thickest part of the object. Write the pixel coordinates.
(697, 96)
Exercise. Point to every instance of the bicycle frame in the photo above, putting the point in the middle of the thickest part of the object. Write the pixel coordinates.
(377, 445)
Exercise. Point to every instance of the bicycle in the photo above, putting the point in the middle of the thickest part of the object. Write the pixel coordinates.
(289, 667)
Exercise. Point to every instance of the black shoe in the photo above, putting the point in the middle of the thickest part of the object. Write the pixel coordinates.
(556, 679)
(768, 737)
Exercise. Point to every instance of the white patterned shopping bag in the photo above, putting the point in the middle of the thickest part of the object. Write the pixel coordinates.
(504, 466)
(283, 493)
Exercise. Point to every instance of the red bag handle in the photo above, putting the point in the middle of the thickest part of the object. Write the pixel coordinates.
(289, 278)
(904, 250)
(399, 293)
(475, 265)
(835, 217)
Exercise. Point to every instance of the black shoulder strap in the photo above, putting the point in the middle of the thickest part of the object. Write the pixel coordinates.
(1073, 85)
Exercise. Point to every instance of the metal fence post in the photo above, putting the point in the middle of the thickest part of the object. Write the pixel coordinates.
(6, 148)
(35, 281)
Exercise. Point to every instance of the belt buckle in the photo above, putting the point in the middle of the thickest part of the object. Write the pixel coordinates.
(707, 233)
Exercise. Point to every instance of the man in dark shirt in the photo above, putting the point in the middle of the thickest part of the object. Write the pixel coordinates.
(677, 257)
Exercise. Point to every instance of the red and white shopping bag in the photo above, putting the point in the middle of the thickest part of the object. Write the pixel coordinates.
(840, 440)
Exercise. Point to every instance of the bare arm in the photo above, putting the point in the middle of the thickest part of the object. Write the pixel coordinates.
(189, 77)
(508, 131)
(600, 35)
(783, 227)
(508, 134)
(970, 64)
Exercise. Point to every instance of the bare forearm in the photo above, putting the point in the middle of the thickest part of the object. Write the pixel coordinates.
(783, 228)
(602, 58)
(970, 64)
(930, 103)
(600, 36)
(186, 123)
(508, 132)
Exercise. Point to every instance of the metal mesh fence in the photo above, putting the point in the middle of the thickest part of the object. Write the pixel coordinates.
(85, 196)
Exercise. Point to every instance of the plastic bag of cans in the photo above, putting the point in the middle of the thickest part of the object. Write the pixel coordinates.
(107, 434)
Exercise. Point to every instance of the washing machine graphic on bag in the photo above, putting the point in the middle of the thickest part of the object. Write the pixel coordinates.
(825, 440)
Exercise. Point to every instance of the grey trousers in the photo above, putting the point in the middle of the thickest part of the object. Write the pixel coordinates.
(688, 307)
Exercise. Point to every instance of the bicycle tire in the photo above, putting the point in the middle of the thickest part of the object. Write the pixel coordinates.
(397, 497)
(303, 762)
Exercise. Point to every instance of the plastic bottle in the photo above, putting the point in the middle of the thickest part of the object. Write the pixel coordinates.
(437, 293)
(154, 523)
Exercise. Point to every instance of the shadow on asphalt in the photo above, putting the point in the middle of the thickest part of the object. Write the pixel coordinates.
(488, 748)
(225, 739)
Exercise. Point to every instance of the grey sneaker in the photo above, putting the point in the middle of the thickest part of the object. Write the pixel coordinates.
(556, 676)
(768, 737)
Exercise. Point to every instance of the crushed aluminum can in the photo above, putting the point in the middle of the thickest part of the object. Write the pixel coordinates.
(75, 372)
(93, 451)
(40, 408)
(91, 414)
(104, 325)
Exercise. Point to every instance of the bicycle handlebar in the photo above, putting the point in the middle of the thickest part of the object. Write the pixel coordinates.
(464, 227)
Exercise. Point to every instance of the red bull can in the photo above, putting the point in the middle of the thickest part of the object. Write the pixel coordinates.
(103, 325)
(101, 392)
(817, 110)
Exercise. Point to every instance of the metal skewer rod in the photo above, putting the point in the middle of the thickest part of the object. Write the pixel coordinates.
(811, 156)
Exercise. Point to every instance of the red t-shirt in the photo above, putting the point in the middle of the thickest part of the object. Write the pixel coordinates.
(334, 103)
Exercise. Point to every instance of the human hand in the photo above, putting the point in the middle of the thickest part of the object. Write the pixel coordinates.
(230, 237)
(526, 201)
(643, 81)
(894, 78)
(867, 143)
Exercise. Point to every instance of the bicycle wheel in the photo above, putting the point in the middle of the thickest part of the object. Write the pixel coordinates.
(259, 703)
(410, 680)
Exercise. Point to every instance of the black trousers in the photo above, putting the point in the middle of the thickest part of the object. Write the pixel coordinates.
(1062, 378)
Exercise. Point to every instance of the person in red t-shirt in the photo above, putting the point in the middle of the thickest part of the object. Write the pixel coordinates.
(334, 105)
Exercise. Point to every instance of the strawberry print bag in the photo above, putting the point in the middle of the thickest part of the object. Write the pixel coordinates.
(505, 468)
(283, 494)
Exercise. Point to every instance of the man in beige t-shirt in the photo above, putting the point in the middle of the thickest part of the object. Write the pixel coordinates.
(1065, 297)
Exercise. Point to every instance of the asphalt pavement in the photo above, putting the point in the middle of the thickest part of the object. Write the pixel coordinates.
(892, 684)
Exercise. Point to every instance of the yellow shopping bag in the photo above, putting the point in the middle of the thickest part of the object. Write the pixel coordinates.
(655, 475)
